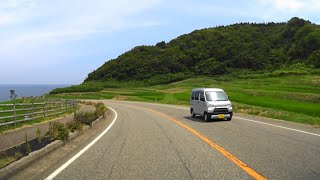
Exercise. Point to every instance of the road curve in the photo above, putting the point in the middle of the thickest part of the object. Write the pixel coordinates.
(145, 142)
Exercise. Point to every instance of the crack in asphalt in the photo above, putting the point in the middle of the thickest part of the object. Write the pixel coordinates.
(105, 152)
(118, 155)
(176, 150)
(296, 140)
(314, 172)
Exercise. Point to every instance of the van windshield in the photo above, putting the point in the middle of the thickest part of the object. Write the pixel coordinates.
(216, 96)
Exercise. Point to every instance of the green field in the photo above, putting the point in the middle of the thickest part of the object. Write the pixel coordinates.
(292, 97)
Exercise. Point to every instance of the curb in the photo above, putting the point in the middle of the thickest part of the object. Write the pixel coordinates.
(26, 161)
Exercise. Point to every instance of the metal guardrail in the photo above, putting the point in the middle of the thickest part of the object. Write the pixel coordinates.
(20, 112)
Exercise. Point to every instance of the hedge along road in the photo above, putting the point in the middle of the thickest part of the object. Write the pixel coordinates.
(150, 141)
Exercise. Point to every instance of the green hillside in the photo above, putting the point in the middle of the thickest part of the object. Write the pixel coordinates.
(235, 49)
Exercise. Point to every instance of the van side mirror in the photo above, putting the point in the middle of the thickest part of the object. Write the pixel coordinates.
(202, 99)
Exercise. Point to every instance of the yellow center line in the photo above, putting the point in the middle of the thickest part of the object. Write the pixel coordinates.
(231, 157)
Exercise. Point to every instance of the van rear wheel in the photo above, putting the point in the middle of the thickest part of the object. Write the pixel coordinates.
(206, 117)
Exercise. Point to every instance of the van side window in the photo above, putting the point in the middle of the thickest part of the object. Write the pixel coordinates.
(201, 96)
(196, 97)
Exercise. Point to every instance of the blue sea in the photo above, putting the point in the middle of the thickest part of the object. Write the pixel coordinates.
(26, 90)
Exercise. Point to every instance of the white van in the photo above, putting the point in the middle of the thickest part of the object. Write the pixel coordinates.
(211, 103)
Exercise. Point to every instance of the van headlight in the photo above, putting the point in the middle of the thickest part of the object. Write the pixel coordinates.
(211, 107)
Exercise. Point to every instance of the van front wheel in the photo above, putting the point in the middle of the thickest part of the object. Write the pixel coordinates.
(192, 113)
(206, 117)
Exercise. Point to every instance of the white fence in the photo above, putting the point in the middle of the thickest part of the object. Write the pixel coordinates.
(19, 112)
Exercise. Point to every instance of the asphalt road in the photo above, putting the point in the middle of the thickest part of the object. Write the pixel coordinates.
(148, 141)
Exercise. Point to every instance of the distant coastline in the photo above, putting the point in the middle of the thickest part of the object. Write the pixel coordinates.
(27, 90)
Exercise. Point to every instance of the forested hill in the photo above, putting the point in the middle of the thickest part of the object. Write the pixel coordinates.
(243, 47)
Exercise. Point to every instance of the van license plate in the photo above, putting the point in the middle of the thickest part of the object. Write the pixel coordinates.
(220, 116)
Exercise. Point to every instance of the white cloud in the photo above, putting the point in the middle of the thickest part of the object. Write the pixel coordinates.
(14, 4)
(13, 12)
(284, 5)
(62, 19)
(6, 19)
(206, 8)
(292, 5)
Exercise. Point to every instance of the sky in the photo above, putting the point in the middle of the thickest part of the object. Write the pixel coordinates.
(61, 41)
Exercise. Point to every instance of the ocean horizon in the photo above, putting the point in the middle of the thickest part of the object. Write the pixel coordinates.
(27, 90)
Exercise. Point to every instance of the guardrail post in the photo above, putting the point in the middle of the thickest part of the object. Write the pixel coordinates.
(44, 110)
(14, 114)
(60, 108)
(32, 110)
(55, 107)
(66, 102)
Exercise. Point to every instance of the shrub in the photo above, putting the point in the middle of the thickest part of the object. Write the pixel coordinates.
(58, 131)
(74, 126)
(100, 109)
(28, 150)
(166, 78)
(38, 134)
(90, 103)
(85, 117)
(314, 59)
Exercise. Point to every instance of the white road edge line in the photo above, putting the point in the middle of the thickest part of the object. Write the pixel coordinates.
(65, 165)
(305, 132)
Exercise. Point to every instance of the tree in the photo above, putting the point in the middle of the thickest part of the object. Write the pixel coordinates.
(161, 44)
(13, 95)
(314, 58)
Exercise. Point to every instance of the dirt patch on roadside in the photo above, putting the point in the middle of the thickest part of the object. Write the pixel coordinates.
(120, 98)
(316, 126)
(87, 108)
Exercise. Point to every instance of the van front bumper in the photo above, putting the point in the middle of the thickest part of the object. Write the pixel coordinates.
(220, 110)
(218, 116)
